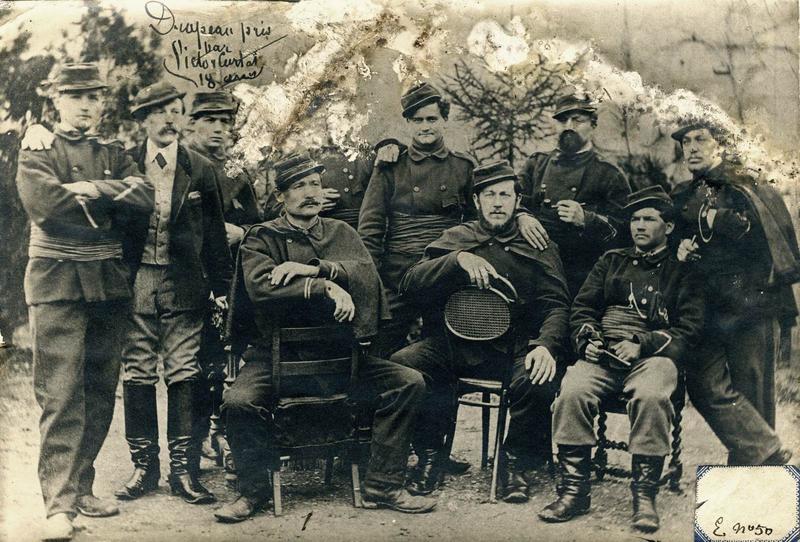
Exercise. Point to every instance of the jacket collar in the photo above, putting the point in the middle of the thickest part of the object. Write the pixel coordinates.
(439, 151)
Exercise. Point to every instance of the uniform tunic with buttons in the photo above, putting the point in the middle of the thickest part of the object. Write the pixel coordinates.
(408, 204)
(586, 178)
(654, 301)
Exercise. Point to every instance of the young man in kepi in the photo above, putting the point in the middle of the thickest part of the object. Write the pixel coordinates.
(183, 257)
(298, 270)
(636, 317)
(474, 252)
(79, 194)
(211, 118)
(738, 235)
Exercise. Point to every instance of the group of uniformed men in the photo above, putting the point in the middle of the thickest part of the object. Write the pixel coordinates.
(617, 292)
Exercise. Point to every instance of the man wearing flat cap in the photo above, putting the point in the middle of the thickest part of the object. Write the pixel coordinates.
(575, 192)
(183, 256)
(411, 201)
(80, 195)
(211, 118)
(481, 252)
(637, 315)
(738, 235)
(301, 269)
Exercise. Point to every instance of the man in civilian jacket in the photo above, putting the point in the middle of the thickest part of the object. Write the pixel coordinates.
(182, 255)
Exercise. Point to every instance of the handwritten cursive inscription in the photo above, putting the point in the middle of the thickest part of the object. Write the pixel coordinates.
(738, 528)
(209, 54)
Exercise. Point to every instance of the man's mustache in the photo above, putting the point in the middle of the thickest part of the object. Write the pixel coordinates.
(310, 202)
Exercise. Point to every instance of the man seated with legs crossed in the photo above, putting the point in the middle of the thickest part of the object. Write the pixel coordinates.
(477, 252)
(633, 319)
(313, 271)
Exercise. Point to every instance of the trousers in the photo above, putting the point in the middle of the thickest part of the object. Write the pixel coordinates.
(396, 392)
(647, 386)
(76, 347)
(530, 427)
(730, 380)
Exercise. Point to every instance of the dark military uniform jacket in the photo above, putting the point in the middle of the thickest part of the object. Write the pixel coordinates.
(660, 291)
(541, 312)
(586, 178)
(409, 203)
(238, 198)
(198, 247)
(101, 222)
(749, 258)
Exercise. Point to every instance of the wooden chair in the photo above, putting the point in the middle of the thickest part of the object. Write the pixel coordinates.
(337, 437)
(478, 315)
(618, 405)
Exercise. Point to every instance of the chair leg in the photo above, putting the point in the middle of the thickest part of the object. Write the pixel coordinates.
(485, 427)
(451, 433)
(356, 480)
(675, 463)
(499, 434)
(600, 455)
(276, 493)
(329, 469)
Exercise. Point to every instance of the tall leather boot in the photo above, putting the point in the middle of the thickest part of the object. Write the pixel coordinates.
(180, 413)
(514, 483)
(201, 422)
(141, 432)
(646, 474)
(428, 474)
(574, 487)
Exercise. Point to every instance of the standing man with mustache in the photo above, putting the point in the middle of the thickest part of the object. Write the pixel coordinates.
(575, 192)
(738, 235)
(183, 256)
(79, 193)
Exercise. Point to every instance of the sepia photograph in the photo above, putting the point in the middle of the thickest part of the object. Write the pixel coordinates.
(358, 270)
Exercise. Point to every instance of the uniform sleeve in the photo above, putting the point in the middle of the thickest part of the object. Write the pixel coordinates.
(373, 214)
(589, 306)
(257, 266)
(734, 222)
(433, 278)
(603, 222)
(674, 341)
(43, 195)
(527, 183)
(552, 300)
(470, 212)
(216, 253)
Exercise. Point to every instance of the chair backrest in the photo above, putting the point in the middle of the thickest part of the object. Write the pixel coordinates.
(340, 357)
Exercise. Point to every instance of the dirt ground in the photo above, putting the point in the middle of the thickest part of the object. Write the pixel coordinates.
(314, 512)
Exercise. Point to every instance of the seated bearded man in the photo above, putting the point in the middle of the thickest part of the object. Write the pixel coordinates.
(477, 252)
(314, 271)
(635, 317)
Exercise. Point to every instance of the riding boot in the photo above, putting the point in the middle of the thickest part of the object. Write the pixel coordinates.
(514, 483)
(574, 487)
(646, 476)
(141, 432)
(180, 413)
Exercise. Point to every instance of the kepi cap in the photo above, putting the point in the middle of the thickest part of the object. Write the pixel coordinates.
(571, 102)
(653, 196)
(212, 101)
(491, 172)
(294, 167)
(419, 96)
(77, 77)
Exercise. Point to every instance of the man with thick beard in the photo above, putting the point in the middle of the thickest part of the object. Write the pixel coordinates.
(575, 192)
(475, 252)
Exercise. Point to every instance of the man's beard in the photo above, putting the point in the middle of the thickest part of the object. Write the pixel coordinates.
(496, 228)
(570, 142)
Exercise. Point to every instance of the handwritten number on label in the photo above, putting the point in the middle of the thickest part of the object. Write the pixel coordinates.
(738, 528)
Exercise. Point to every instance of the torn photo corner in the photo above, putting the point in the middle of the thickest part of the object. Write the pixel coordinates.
(332, 78)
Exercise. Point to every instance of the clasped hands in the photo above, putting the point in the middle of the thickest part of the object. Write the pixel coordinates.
(283, 274)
